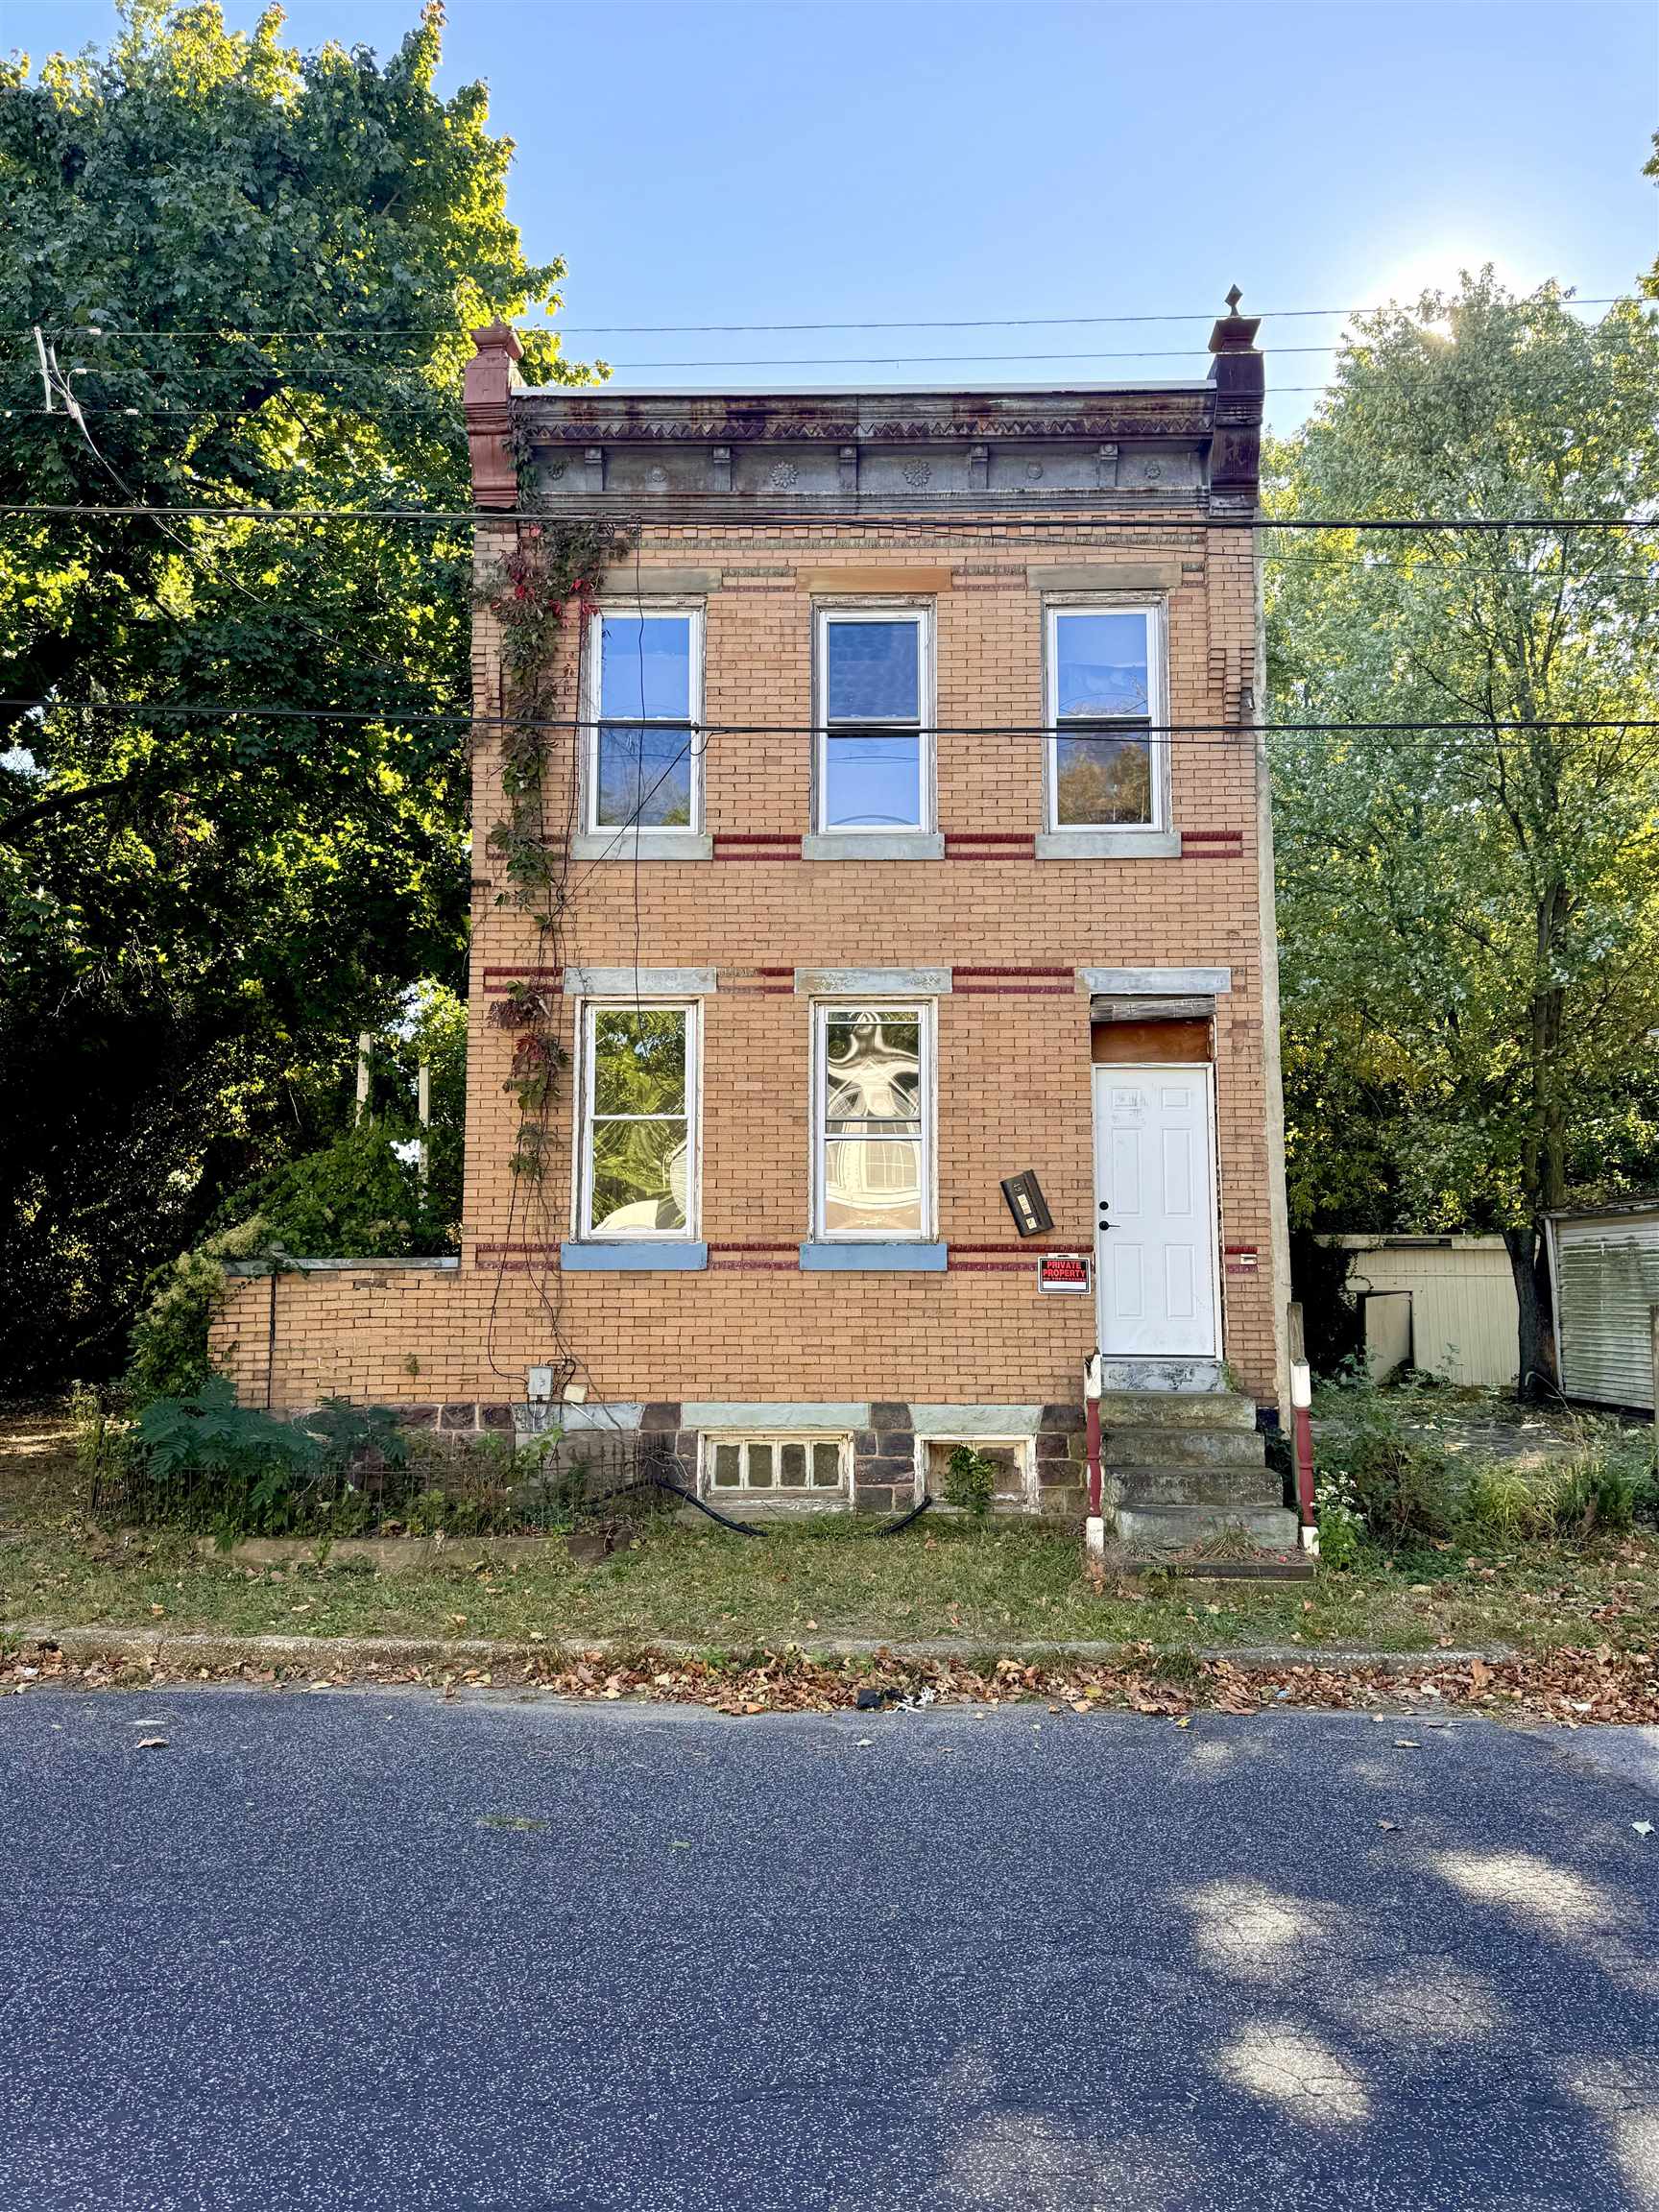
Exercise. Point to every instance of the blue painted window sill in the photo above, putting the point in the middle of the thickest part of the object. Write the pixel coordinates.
(647, 1257)
(874, 1258)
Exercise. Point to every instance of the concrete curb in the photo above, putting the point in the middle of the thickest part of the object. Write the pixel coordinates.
(182, 1650)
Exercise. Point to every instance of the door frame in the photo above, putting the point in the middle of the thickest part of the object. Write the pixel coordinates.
(1119, 1069)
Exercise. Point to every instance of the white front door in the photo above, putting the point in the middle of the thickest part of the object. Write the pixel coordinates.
(1155, 1236)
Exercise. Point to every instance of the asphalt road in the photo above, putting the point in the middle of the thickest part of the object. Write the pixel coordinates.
(378, 1954)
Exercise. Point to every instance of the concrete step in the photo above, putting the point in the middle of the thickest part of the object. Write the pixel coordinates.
(1209, 1486)
(1147, 1445)
(1176, 1409)
(1120, 1372)
(1160, 1529)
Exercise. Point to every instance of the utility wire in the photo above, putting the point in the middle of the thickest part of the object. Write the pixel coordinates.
(686, 515)
(1230, 730)
(459, 327)
(442, 400)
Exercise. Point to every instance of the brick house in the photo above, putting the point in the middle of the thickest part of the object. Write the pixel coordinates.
(915, 838)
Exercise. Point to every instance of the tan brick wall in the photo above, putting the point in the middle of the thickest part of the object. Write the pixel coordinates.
(1013, 1066)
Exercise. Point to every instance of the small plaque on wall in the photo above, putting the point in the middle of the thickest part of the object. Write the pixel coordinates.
(1063, 1272)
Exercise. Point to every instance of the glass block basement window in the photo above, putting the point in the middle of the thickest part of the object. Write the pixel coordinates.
(791, 1465)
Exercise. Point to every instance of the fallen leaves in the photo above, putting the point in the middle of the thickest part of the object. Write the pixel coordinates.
(1569, 1687)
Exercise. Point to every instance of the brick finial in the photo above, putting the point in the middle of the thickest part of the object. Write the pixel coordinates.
(491, 378)
(1239, 374)
(499, 337)
(1234, 333)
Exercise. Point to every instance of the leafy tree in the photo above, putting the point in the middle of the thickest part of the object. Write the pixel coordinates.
(257, 268)
(1470, 921)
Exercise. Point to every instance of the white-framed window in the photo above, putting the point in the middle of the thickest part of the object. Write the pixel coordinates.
(873, 1122)
(643, 767)
(1107, 760)
(874, 674)
(637, 1167)
(802, 1467)
(1014, 1460)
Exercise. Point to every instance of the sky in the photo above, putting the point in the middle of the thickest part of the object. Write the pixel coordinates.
(941, 161)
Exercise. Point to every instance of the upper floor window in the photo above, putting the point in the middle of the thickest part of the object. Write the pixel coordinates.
(644, 764)
(872, 1121)
(639, 1148)
(875, 760)
(1105, 674)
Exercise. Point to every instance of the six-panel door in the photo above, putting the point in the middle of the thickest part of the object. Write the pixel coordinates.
(1155, 1238)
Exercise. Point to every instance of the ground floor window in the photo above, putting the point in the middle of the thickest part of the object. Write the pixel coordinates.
(1012, 1460)
(780, 1466)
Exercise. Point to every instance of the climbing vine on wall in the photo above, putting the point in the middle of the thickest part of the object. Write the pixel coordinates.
(537, 593)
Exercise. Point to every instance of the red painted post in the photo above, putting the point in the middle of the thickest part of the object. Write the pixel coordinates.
(1305, 1466)
(1092, 1417)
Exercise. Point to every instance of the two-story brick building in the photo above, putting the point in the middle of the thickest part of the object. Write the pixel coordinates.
(912, 835)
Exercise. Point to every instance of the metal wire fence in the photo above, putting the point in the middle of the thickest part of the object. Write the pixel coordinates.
(88, 1464)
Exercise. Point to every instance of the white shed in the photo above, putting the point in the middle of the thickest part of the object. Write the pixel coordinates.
(1444, 1304)
(1604, 1270)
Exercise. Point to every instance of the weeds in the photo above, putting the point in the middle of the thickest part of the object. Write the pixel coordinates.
(1393, 1485)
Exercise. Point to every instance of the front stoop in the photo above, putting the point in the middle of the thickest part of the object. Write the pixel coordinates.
(1184, 1467)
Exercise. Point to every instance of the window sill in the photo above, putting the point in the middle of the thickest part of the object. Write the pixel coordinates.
(872, 1259)
(646, 1257)
(1109, 845)
(627, 845)
(883, 845)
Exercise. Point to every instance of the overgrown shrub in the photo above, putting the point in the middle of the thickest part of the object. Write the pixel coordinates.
(354, 1199)
(970, 1480)
(204, 1462)
(1399, 1483)
(169, 1356)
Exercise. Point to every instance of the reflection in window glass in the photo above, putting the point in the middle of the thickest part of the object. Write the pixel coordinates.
(1102, 703)
(639, 1131)
(645, 668)
(1101, 664)
(870, 1122)
(642, 764)
(644, 777)
(874, 671)
(872, 783)
(873, 776)
(1103, 779)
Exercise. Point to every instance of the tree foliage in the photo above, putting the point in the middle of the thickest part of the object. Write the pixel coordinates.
(257, 268)
(1470, 920)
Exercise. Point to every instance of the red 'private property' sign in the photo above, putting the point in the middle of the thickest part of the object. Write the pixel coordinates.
(1065, 1272)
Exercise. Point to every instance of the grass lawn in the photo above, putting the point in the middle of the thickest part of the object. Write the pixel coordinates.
(939, 1579)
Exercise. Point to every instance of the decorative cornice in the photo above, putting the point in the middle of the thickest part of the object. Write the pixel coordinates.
(622, 419)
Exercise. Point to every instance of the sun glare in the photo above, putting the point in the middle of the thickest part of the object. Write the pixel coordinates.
(1439, 268)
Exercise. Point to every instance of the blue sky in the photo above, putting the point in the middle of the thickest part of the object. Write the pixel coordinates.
(878, 160)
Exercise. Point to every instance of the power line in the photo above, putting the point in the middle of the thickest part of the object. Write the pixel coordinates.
(1058, 521)
(864, 360)
(683, 515)
(1230, 731)
(738, 329)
